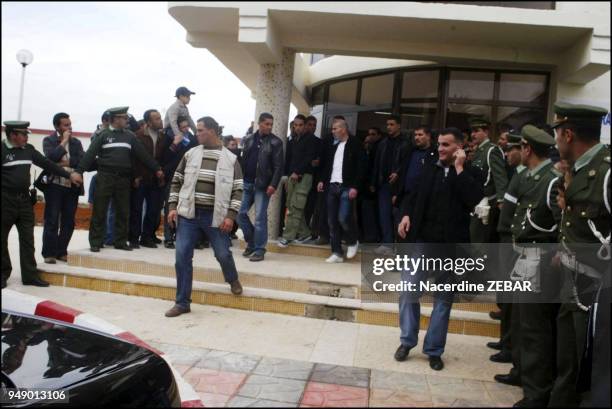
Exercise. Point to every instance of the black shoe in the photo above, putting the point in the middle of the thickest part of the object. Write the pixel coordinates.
(169, 245)
(156, 240)
(528, 403)
(402, 353)
(134, 245)
(94, 249)
(435, 363)
(150, 244)
(502, 357)
(508, 379)
(321, 241)
(248, 252)
(495, 345)
(495, 315)
(256, 257)
(38, 282)
(123, 247)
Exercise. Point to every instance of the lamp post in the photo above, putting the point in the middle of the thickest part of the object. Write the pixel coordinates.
(24, 57)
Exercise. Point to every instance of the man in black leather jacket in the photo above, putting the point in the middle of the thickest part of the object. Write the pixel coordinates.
(262, 161)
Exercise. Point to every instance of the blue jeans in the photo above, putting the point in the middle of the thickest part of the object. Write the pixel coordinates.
(188, 233)
(60, 209)
(385, 213)
(109, 240)
(144, 229)
(410, 315)
(255, 236)
(340, 217)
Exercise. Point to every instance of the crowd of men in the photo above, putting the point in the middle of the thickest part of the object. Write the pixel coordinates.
(429, 186)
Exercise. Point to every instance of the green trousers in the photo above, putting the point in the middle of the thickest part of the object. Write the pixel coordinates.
(297, 195)
(117, 187)
(17, 210)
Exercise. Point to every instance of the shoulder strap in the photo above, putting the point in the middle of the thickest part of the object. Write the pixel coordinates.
(489, 162)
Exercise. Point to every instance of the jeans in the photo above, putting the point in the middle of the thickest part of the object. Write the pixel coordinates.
(144, 229)
(60, 209)
(255, 236)
(187, 234)
(340, 216)
(385, 213)
(109, 239)
(410, 315)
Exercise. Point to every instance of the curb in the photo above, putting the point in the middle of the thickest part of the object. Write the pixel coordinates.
(31, 305)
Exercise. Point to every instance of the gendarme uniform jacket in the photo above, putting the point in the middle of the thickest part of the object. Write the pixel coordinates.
(114, 149)
(586, 218)
(490, 159)
(507, 211)
(534, 198)
(16, 163)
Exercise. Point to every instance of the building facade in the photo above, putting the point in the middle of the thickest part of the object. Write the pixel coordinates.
(433, 63)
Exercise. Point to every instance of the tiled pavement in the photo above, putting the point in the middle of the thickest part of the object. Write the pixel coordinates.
(226, 379)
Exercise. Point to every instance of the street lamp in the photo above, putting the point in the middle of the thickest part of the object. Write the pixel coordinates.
(24, 57)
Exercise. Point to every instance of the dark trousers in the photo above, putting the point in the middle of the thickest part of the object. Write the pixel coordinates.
(17, 210)
(385, 213)
(117, 187)
(571, 335)
(369, 220)
(341, 218)
(139, 228)
(60, 209)
(538, 344)
(319, 223)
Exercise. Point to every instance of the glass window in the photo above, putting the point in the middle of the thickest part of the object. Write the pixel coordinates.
(317, 95)
(523, 88)
(416, 114)
(471, 85)
(458, 115)
(344, 93)
(376, 91)
(420, 84)
(520, 116)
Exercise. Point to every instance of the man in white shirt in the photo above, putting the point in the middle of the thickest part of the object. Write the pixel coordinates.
(343, 174)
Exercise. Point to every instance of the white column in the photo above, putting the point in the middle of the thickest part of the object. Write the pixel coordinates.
(273, 95)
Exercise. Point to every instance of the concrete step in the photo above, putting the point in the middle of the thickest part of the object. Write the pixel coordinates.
(277, 272)
(300, 274)
(259, 299)
(310, 250)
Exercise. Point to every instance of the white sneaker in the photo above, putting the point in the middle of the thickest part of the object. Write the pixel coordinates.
(334, 258)
(351, 251)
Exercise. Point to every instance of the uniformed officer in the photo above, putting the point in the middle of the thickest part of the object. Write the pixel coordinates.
(113, 148)
(508, 345)
(490, 159)
(17, 207)
(585, 255)
(535, 220)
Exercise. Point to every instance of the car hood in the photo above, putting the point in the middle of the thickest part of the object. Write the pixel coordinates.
(41, 353)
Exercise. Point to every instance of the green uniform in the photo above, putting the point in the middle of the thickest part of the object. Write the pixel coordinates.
(113, 149)
(489, 158)
(17, 206)
(536, 220)
(587, 199)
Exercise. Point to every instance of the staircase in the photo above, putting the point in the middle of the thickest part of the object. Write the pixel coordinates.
(292, 281)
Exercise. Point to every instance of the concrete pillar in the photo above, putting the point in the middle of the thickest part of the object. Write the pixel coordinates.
(273, 95)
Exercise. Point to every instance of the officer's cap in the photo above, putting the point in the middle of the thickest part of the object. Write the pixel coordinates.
(117, 111)
(19, 126)
(479, 122)
(183, 91)
(577, 113)
(514, 138)
(536, 136)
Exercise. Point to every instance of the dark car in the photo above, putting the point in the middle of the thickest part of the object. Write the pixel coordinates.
(94, 369)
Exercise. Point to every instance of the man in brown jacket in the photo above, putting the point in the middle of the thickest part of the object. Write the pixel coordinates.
(146, 188)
